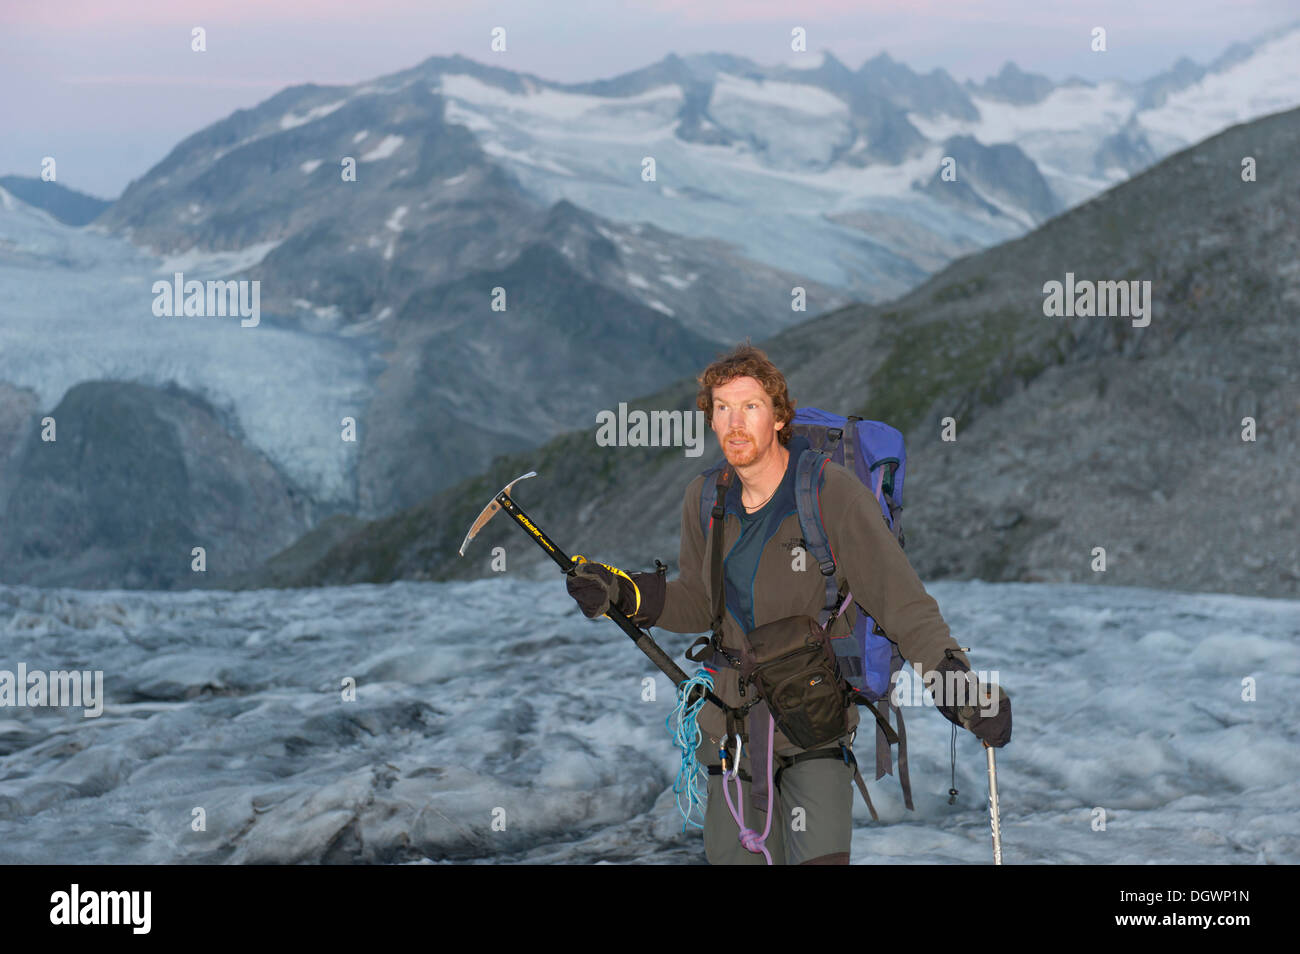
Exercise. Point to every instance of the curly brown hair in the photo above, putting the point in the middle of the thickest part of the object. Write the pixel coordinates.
(747, 361)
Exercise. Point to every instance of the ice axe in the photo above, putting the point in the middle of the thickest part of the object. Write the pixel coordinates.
(503, 501)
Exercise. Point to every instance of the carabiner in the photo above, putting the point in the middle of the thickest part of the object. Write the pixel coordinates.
(735, 770)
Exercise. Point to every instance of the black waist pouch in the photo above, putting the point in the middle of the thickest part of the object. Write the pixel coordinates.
(791, 665)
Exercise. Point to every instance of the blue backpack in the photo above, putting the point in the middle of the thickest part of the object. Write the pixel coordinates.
(868, 659)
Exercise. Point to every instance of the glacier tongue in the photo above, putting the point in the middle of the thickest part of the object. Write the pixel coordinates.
(76, 305)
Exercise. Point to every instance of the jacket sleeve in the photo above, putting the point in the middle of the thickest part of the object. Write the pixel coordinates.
(880, 576)
(686, 604)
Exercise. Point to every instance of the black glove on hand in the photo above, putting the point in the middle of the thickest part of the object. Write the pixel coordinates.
(994, 729)
(597, 586)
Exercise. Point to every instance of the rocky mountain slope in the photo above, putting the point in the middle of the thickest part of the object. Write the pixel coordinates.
(134, 479)
(67, 205)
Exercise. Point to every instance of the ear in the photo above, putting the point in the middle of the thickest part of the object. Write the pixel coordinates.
(780, 424)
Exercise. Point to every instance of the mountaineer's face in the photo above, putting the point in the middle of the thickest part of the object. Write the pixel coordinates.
(744, 421)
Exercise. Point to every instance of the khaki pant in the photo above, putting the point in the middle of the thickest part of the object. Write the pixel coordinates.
(821, 833)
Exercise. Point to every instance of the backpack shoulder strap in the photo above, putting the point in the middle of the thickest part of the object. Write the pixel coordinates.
(713, 498)
(706, 495)
(807, 497)
(722, 482)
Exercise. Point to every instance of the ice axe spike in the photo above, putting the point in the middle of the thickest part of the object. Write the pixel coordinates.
(503, 501)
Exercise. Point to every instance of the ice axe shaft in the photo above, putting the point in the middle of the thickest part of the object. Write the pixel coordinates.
(503, 502)
(994, 818)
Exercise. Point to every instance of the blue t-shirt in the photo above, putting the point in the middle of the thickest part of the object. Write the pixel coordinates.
(741, 562)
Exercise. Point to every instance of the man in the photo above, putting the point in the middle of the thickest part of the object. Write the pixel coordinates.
(748, 403)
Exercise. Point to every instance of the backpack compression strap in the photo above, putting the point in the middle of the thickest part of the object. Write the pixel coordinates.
(851, 442)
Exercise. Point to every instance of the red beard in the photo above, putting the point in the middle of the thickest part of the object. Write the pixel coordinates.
(739, 457)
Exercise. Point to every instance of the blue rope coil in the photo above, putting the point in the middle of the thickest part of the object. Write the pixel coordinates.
(683, 724)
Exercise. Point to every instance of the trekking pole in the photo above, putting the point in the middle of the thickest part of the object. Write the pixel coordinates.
(644, 642)
(994, 820)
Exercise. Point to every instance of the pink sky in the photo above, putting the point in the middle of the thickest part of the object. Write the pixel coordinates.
(109, 86)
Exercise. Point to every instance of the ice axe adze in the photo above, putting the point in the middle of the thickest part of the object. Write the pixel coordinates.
(503, 501)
